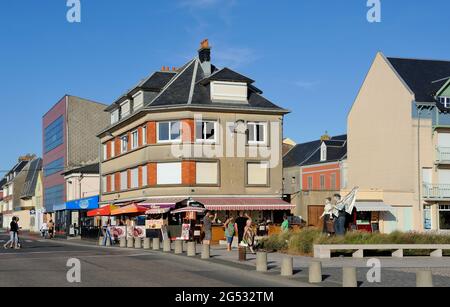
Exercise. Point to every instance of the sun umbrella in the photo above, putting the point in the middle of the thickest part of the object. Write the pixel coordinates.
(103, 211)
(130, 210)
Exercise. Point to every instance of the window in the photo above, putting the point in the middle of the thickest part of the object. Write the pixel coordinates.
(169, 173)
(333, 182)
(124, 181)
(207, 173)
(54, 134)
(134, 178)
(125, 109)
(310, 183)
(257, 173)
(322, 182)
(169, 131)
(54, 167)
(115, 116)
(105, 151)
(53, 196)
(134, 139)
(144, 135)
(113, 183)
(138, 101)
(104, 184)
(124, 144)
(445, 101)
(205, 131)
(444, 217)
(144, 176)
(256, 133)
(113, 152)
(233, 92)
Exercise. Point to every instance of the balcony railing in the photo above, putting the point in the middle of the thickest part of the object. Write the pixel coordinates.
(436, 191)
(443, 154)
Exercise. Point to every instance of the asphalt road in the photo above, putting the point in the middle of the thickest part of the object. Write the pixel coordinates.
(42, 263)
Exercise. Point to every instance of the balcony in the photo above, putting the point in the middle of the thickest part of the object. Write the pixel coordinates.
(436, 191)
(443, 155)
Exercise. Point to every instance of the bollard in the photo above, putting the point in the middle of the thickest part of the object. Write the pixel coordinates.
(242, 251)
(108, 242)
(178, 247)
(155, 244)
(287, 266)
(147, 243)
(138, 243)
(206, 252)
(191, 252)
(123, 242)
(349, 277)
(315, 272)
(424, 279)
(166, 246)
(100, 241)
(261, 261)
(130, 242)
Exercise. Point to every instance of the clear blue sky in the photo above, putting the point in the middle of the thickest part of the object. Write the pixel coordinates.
(309, 56)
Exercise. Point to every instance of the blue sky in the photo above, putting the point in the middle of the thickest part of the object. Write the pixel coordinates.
(309, 56)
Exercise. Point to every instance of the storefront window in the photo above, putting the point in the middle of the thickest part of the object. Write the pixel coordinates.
(444, 217)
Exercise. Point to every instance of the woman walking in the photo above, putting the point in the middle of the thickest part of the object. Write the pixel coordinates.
(13, 230)
(230, 231)
(249, 236)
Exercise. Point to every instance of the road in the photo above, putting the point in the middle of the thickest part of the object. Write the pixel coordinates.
(43, 263)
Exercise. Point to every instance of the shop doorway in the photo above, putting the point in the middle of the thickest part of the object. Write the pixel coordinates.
(314, 213)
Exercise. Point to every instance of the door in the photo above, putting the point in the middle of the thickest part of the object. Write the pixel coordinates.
(314, 213)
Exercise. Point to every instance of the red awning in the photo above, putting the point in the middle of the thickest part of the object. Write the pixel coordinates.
(250, 204)
(133, 209)
(103, 211)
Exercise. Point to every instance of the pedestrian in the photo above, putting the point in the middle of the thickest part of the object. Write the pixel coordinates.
(249, 236)
(18, 243)
(230, 231)
(340, 215)
(327, 216)
(241, 221)
(51, 229)
(285, 224)
(207, 227)
(44, 230)
(107, 231)
(13, 230)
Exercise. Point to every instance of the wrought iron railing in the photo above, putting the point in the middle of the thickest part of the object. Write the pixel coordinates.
(436, 191)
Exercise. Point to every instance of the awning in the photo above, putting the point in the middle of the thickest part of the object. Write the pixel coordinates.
(189, 209)
(161, 202)
(133, 209)
(157, 211)
(103, 211)
(249, 204)
(89, 203)
(369, 206)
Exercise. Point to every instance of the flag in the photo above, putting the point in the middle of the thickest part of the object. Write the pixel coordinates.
(349, 201)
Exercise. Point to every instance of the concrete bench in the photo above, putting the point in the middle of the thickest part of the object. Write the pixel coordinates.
(323, 251)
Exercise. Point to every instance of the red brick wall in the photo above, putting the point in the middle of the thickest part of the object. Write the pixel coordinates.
(108, 183)
(140, 136)
(188, 172)
(117, 146)
(140, 177)
(117, 181)
(151, 133)
(151, 174)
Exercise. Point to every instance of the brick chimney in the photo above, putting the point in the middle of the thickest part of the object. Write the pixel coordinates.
(27, 157)
(204, 55)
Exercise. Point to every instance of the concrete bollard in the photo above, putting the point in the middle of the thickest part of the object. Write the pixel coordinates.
(287, 266)
(206, 251)
(155, 244)
(167, 248)
(123, 242)
(424, 279)
(147, 243)
(138, 243)
(100, 241)
(261, 262)
(191, 252)
(349, 277)
(178, 247)
(315, 272)
(130, 242)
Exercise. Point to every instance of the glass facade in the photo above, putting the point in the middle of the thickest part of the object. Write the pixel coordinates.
(54, 134)
(54, 196)
(54, 167)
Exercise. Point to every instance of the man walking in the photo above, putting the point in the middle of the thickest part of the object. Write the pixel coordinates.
(241, 222)
(207, 227)
(340, 214)
(13, 233)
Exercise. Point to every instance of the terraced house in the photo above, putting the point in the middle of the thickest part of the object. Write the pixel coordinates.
(399, 143)
(176, 135)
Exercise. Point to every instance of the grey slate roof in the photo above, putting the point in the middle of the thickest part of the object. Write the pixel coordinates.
(87, 169)
(424, 77)
(33, 169)
(309, 153)
(226, 74)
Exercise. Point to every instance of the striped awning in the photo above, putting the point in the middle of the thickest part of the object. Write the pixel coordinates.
(189, 209)
(157, 211)
(162, 202)
(372, 206)
(249, 204)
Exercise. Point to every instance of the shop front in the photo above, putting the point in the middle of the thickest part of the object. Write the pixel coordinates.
(444, 217)
(368, 215)
(71, 217)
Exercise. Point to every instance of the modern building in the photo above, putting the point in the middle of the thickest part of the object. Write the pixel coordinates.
(197, 132)
(69, 141)
(82, 186)
(313, 171)
(398, 143)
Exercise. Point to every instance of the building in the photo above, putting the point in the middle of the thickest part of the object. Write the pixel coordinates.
(398, 140)
(82, 186)
(12, 190)
(69, 141)
(2, 203)
(312, 172)
(197, 132)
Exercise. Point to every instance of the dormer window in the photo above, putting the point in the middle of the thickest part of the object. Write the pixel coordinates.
(138, 101)
(233, 92)
(445, 101)
(125, 108)
(115, 116)
(323, 152)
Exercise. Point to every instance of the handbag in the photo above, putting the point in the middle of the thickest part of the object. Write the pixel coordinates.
(330, 226)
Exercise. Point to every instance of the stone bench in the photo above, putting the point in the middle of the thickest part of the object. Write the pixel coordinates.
(323, 251)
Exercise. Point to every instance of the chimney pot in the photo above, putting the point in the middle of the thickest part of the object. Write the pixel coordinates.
(204, 55)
